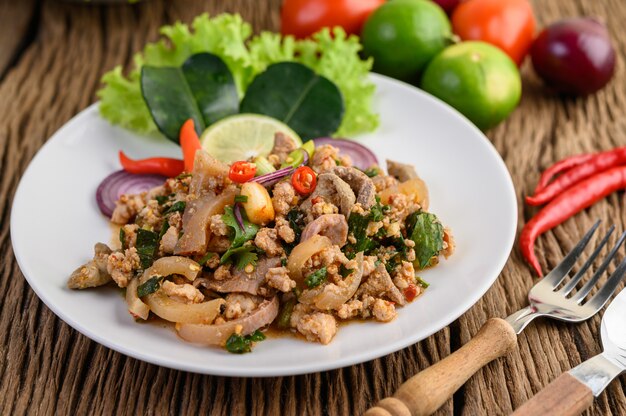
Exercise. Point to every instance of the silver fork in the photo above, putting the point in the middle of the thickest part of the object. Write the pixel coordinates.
(546, 300)
(425, 392)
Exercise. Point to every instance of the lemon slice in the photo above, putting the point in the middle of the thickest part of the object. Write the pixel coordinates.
(244, 136)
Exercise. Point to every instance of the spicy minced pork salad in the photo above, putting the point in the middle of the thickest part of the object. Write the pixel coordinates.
(224, 253)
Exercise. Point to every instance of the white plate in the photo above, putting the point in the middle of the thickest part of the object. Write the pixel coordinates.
(55, 223)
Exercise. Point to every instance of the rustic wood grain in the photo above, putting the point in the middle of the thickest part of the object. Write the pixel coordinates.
(17, 25)
(46, 367)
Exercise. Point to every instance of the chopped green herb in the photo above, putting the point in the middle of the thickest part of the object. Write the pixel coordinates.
(381, 233)
(123, 238)
(427, 233)
(162, 199)
(164, 228)
(257, 336)
(206, 258)
(377, 211)
(283, 261)
(377, 263)
(149, 286)
(371, 172)
(147, 244)
(284, 318)
(316, 278)
(183, 176)
(393, 262)
(297, 292)
(357, 226)
(178, 206)
(241, 198)
(296, 221)
(344, 271)
(239, 236)
(241, 256)
(239, 344)
(397, 255)
(421, 282)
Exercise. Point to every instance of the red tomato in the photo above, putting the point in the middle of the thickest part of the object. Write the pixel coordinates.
(304, 180)
(302, 18)
(241, 172)
(507, 24)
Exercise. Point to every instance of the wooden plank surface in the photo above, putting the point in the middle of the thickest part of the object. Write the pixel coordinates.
(17, 28)
(47, 367)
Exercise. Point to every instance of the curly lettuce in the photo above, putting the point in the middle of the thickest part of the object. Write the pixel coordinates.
(335, 56)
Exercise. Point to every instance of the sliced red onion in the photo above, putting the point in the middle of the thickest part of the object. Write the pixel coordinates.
(362, 157)
(121, 182)
(238, 216)
(272, 178)
(305, 160)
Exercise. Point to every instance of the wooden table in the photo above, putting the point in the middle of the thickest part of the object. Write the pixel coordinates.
(52, 55)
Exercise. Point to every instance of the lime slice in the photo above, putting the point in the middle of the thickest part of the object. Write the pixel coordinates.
(244, 136)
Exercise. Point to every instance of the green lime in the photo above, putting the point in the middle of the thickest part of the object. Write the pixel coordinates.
(404, 35)
(477, 79)
(244, 136)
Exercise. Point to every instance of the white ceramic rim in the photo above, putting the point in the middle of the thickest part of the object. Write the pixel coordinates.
(497, 265)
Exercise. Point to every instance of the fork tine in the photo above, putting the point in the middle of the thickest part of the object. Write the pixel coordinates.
(574, 281)
(584, 291)
(598, 300)
(556, 275)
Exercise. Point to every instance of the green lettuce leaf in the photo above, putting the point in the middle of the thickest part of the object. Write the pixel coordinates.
(228, 36)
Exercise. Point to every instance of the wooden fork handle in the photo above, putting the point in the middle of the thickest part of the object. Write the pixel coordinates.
(425, 392)
(565, 396)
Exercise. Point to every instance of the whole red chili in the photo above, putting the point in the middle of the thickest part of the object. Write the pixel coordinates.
(304, 180)
(597, 163)
(159, 165)
(189, 143)
(559, 167)
(570, 202)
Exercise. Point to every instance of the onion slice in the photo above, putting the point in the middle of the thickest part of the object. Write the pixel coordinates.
(171, 309)
(135, 305)
(238, 216)
(166, 266)
(218, 334)
(362, 157)
(121, 182)
(332, 296)
(305, 157)
(302, 252)
(272, 178)
(184, 313)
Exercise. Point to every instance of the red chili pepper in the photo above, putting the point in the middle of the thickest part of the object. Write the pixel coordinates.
(599, 162)
(410, 292)
(158, 165)
(241, 171)
(189, 143)
(560, 167)
(570, 202)
(304, 180)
